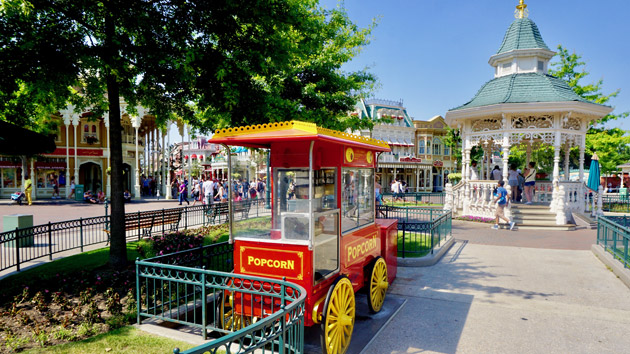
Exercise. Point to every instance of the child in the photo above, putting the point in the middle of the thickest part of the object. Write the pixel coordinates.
(501, 198)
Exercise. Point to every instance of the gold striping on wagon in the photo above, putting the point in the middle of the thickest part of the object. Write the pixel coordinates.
(306, 127)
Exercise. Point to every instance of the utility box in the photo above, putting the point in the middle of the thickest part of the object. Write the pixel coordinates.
(79, 189)
(25, 238)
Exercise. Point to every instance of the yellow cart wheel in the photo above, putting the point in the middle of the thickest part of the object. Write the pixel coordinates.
(378, 285)
(228, 319)
(338, 319)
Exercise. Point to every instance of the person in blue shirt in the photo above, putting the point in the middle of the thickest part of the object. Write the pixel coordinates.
(501, 201)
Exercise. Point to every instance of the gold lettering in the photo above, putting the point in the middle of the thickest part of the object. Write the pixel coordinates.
(271, 263)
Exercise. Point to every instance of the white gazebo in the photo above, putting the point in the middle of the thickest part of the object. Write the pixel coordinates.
(522, 107)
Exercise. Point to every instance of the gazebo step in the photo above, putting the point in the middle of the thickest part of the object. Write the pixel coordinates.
(532, 218)
(537, 226)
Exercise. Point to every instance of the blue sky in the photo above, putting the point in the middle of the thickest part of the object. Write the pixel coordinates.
(433, 54)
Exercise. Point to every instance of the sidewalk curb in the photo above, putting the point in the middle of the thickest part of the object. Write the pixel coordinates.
(615, 266)
(429, 259)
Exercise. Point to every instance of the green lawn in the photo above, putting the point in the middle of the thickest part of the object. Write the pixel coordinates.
(419, 244)
(123, 340)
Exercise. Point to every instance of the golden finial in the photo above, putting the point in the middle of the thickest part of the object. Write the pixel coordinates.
(521, 10)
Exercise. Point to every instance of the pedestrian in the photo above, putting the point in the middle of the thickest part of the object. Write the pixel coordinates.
(208, 191)
(521, 185)
(220, 193)
(183, 191)
(474, 173)
(496, 173)
(501, 201)
(28, 188)
(55, 185)
(530, 181)
(196, 191)
(513, 181)
(72, 187)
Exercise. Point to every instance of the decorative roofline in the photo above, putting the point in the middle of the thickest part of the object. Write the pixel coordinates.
(306, 127)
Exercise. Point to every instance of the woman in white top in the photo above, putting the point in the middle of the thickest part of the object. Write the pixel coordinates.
(530, 182)
(513, 181)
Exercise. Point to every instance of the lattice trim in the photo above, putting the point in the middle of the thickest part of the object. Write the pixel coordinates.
(311, 128)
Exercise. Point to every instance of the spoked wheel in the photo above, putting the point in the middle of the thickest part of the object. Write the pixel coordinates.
(338, 320)
(229, 320)
(378, 285)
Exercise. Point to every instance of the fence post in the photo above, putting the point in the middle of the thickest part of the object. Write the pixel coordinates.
(431, 232)
(203, 303)
(139, 230)
(404, 227)
(138, 292)
(17, 249)
(81, 231)
(186, 218)
(49, 241)
(163, 227)
(283, 323)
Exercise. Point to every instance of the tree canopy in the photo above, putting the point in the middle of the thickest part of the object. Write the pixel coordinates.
(611, 145)
(213, 64)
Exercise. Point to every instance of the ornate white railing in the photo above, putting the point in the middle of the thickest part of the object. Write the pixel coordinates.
(481, 199)
(543, 192)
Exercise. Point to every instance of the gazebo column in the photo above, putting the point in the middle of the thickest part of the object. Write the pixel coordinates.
(567, 153)
(556, 174)
(528, 154)
(506, 157)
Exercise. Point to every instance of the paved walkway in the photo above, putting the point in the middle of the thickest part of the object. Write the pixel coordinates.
(510, 292)
(495, 291)
(53, 210)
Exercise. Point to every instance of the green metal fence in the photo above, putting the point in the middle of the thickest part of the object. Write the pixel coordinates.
(436, 198)
(252, 313)
(616, 203)
(420, 230)
(613, 233)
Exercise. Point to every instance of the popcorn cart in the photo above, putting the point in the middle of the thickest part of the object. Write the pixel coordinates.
(321, 231)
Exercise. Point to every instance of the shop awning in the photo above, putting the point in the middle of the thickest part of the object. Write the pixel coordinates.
(50, 165)
(16, 140)
(404, 165)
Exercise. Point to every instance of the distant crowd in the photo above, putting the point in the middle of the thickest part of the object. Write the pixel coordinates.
(207, 190)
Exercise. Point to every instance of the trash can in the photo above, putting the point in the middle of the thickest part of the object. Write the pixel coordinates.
(79, 189)
(20, 221)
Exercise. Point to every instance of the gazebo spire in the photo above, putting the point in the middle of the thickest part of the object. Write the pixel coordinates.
(521, 10)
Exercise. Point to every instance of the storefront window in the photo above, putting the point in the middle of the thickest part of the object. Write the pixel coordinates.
(357, 198)
(11, 178)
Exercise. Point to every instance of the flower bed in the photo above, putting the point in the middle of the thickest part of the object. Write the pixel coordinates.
(480, 219)
(44, 308)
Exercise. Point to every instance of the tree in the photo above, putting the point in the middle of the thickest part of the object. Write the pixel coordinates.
(611, 145)
(211, 63)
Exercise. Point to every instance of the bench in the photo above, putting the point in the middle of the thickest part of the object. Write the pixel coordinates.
(219, 209)
(145, 221)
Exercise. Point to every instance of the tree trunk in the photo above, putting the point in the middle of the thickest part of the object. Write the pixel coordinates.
(118, 248)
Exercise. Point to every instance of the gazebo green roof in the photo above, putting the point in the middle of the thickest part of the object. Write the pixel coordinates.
(522, 34)
(522, 88)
